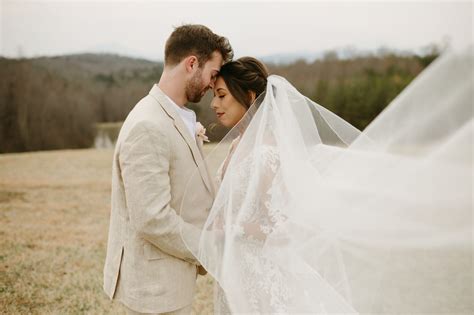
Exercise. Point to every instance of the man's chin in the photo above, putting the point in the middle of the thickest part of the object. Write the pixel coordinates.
(195, 99)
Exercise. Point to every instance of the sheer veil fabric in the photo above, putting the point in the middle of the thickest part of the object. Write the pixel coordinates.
(314, 216)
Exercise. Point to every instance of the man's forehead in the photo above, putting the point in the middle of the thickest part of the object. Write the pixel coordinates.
(215, 63)
(215, 66)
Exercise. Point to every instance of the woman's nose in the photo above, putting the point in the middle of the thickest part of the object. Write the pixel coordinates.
(213, 104)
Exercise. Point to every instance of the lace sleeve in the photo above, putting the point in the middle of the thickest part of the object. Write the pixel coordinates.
(266, 214)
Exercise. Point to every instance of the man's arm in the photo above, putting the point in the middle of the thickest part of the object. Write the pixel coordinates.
(145, 161)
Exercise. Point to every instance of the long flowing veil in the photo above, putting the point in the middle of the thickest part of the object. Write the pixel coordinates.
(314, 216)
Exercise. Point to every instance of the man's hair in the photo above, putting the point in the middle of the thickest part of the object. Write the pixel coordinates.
(198, 40)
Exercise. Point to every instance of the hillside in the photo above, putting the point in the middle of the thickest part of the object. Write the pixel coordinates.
(54, 102)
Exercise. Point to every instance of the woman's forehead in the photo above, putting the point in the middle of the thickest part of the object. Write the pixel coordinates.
(220, 84)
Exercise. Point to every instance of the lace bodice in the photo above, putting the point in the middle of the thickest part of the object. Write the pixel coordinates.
(258, 216)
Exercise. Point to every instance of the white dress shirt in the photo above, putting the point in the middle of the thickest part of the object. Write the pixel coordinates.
(187, 115)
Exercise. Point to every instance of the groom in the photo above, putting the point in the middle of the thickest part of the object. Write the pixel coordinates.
(148, 267)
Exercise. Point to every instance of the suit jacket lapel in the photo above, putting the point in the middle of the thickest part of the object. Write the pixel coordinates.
(184, 132)
(211, 185)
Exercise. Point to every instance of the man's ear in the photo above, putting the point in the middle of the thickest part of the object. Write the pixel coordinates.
(191, 63)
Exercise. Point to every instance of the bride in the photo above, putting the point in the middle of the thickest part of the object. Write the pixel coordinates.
(314, 216)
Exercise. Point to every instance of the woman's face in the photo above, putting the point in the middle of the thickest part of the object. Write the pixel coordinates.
(228, 110)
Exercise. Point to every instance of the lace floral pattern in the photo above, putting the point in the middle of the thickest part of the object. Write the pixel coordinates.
(255, 216)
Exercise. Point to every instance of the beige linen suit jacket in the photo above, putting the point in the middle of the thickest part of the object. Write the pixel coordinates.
(148, 266)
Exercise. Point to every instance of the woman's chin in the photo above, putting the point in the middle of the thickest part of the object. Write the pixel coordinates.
(226, 123)
(223, 123)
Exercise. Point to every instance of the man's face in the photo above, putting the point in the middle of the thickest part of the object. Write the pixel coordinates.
(203, 78)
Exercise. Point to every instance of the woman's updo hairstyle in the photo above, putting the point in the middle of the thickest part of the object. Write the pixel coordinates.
(244, 75)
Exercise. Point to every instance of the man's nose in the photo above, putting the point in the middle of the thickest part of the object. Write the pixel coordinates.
(212, 82)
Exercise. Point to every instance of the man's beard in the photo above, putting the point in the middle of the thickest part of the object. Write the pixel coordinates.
(195, 88)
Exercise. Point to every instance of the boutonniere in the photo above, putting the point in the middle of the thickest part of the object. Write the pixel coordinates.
(201, 133)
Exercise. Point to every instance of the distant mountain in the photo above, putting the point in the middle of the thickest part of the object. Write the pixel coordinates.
(344, 53)
(94, 64)
(122, 50)
(287, 58)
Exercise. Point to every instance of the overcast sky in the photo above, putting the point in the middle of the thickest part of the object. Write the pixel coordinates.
(140, 28)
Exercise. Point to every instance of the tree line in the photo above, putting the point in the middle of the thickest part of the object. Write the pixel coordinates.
(55, 102)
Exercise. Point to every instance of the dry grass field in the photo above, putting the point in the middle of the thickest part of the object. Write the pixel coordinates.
(54, 216)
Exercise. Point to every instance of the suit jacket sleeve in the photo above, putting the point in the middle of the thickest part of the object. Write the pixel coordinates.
(145, 162)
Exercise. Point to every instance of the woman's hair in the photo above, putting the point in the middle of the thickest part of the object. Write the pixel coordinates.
(244, 75)
(195, 39)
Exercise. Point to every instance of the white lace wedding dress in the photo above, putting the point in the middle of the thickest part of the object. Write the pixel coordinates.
(250, 234)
